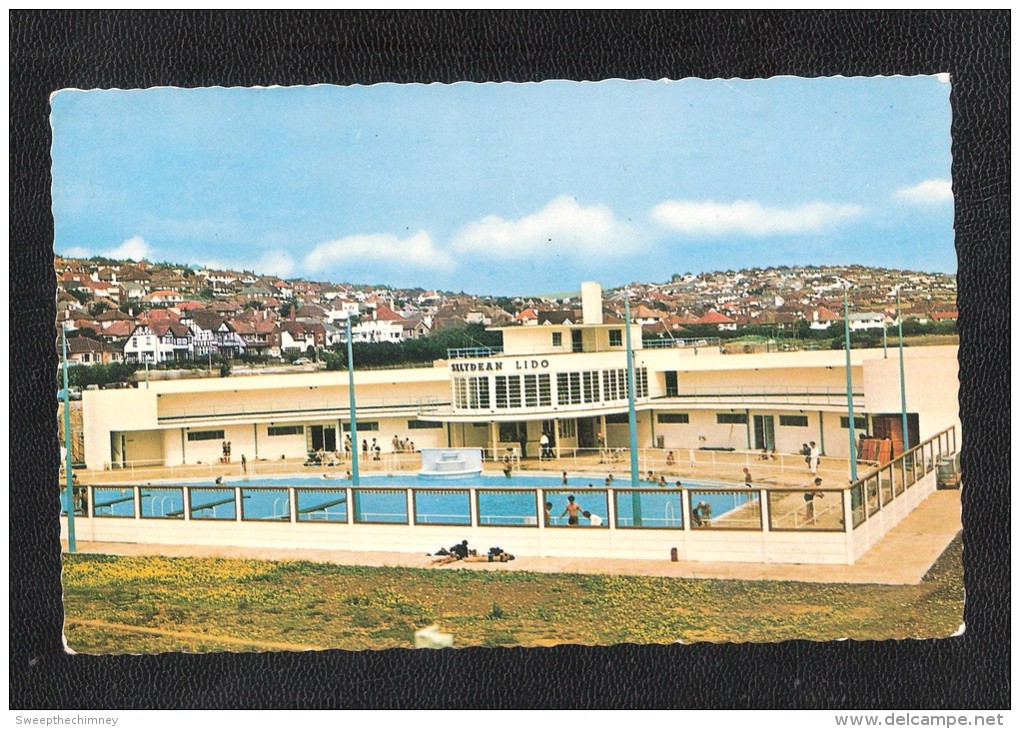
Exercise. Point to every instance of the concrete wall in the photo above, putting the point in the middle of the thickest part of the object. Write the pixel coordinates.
(937, 407)
(878, 524)
(104, 411)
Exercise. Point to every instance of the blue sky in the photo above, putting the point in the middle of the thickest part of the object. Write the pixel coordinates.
(510, 188)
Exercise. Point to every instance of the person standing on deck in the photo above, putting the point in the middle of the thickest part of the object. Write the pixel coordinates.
(524, 444)
(809, 501)
(813, 457)
(543, 446)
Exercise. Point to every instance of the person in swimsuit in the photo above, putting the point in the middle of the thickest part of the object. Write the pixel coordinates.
(572, 511)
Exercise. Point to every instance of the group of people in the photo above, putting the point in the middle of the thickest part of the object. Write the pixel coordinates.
(573, 512)
(462, 553)
(403, 446)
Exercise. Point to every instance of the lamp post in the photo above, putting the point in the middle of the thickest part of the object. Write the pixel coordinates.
(632, 422)
(903, 380)
(849, 387)
(68, 477)
(355, 475)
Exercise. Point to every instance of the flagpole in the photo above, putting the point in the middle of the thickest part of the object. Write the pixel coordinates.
(355, 475)
(849, 388)
(903, 381)
(68, 476)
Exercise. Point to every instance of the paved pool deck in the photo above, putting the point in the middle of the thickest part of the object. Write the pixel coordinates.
(902, 557)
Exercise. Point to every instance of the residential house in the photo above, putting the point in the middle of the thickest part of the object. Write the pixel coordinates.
(720, 321)
(159, 341)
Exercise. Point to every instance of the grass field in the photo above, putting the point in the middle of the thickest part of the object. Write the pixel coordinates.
(154, 604)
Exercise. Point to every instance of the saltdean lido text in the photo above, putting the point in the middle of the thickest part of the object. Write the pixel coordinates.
(520, 364)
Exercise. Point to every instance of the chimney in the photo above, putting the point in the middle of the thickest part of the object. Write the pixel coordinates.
(591, 302)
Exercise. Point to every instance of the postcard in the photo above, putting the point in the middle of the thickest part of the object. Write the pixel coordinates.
(421, 366)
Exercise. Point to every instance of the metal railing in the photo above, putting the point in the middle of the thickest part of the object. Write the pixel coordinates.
(888, 481)
(682, 343)
(791, 395)
(258, 407)
(471, 352)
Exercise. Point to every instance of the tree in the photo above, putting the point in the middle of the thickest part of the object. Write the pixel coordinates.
(98, 307)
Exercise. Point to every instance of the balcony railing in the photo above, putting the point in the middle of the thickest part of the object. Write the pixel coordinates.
(258, 408)
(682, 343)
(791, 395)
(473, 352)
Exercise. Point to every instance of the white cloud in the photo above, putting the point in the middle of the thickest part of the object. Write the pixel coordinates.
(746, 217)
(275, 263)
(416, 251)
(929, 192)
(562, 226)
(134, 248)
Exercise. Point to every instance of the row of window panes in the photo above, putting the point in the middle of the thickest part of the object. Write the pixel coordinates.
(572, 388)
(471, 393)
(797, 421)
(205, 435)
(280, 430)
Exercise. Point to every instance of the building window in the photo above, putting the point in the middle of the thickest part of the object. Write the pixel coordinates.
(731, 418)
(568, 428)
(286, 430)
(793, 421)
(568, 388)
(641, 382)
(615, 337)
(544, 391)
(617, 419)
(591, 386)
(557, 339)
(674, 418)
(531, 390)
(362, 425)
(508, 391)
(859, 423)
(205, 435)
(423, 425)
(471, 393)
(614, 385)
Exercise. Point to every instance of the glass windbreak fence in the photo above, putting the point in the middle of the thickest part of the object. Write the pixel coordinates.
(892, 480)
(725, 509)
(438, 507)
(507, 508)
(806, 510)
(583, 507)
(380, 506)
(162, 503)
(656, 509)
(321, 505)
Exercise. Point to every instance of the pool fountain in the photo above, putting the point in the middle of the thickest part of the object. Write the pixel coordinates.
(450, 462)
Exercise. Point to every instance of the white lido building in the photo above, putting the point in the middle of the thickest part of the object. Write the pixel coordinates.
(567, 382)
(564, 386)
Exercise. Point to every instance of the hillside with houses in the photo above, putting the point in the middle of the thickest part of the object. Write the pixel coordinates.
(138, 312)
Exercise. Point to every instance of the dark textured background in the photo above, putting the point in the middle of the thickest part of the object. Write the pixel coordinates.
(50, 51)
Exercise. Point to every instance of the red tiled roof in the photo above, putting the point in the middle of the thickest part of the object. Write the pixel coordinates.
(714, 317)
